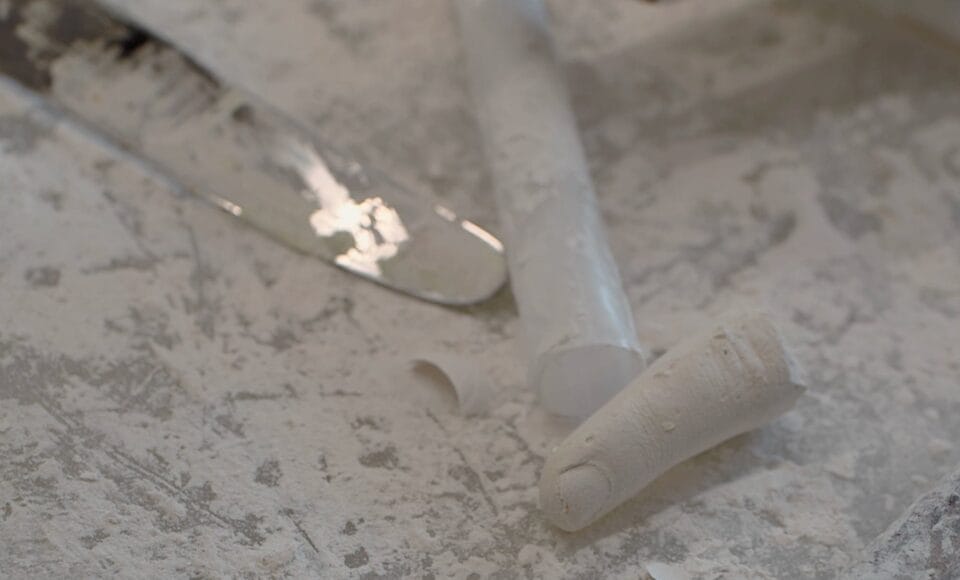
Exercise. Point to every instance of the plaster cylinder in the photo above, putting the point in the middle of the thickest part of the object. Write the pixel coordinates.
(577, 325)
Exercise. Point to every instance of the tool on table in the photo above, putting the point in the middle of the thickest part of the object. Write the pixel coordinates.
(241, 154)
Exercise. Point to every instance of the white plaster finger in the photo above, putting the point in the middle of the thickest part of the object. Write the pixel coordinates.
(733, 378)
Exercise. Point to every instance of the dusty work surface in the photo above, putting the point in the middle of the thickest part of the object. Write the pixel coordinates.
(181, 397)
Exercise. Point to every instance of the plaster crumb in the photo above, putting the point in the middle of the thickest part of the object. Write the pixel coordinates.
(470, 382)
(843, 466)
(940, 447)
(659, 571)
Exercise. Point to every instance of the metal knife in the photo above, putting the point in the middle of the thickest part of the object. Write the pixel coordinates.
(246, 157)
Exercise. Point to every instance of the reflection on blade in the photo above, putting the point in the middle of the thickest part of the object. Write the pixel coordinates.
(482, 234)
(227, 206)
(376, 228)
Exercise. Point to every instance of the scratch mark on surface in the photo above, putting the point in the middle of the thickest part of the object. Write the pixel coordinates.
(182, 495)
(205, 317)
(474, 477)
(303, 532)
(531, 455)
(129, 221)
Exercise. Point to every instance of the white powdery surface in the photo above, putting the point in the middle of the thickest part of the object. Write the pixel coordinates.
(181, 397)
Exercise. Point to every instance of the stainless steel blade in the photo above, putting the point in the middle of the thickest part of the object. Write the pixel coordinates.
(238, 152)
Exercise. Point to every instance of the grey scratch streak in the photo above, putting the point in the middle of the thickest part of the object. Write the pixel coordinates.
(531, 455)
(139, 263)
(176, 492)
(120, 457)
(88, 443)
(289, 513)
(463, 458)
(341, 305)
(127, 218)
(205, 317)
(124, 459)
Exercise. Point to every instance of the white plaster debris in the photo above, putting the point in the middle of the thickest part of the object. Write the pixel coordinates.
(661, 571)
(248, 385)
(468, 379)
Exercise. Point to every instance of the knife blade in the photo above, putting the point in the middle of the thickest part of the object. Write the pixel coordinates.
(246, 157)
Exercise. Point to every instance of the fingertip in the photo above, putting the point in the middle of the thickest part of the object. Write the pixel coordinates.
(574, 497)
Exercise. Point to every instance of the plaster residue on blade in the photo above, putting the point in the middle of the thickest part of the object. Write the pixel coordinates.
(247, 158)
(34, 33)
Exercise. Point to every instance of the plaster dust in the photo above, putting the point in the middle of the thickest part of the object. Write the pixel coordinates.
(179, 396)
(733, 377)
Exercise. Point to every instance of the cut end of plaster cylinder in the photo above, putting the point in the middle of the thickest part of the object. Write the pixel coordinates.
(575, 382)
(735, 377)
(580, 495)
